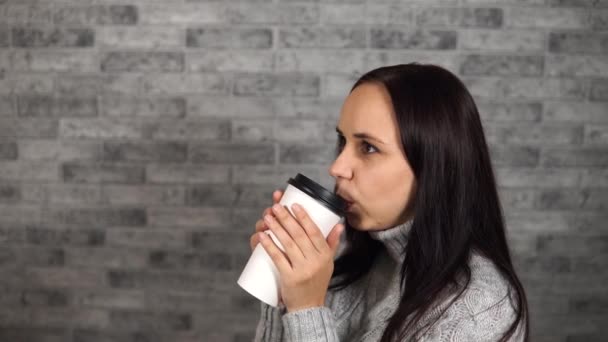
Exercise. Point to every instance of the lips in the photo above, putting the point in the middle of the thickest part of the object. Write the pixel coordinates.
(349, 202)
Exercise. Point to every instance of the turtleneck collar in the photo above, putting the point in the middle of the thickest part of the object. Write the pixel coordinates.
(394, 239)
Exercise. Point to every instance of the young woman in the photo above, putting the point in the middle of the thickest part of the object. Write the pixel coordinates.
(425, 257)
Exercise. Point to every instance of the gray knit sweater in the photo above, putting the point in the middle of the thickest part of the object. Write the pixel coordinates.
(359, 313)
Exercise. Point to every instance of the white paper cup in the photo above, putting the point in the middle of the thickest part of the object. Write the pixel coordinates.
(260, 277)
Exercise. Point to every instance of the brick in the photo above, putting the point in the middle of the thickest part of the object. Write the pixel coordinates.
(321, 37)
(321, 61)
(189, 83)
(222, 195)
(79, 85)
(517, 198)
(43, 257)
(204, 261)
(49, 236)
(527, 88)
(144, 151)
(526, 134)
(294, 84)
(502, 65)
(122, 83)
(228, 60)
(599, 20)
(105, 173)
(102, 128)
(45, 297)
(580, 157)
(189, 13)
(198, 130)
(232, 153)
(4, 37)
(509, 112)
(575, 112)
(110, 299)
(29, 170)
(102, 15)
(26, 83)
(96, 217)
(547, 18)
(308, 108)
(135, 37)
(514, 155)
(567, 199)
(73, 194)
(26, 13)
(10, 193)
(132, 237)
(306, 154)
(304, 130)
(502, 40)
(145, 321)
(42, 60)
(41, 334)
(188, 302)
(537, 178)
(187, 174)
(188, 217)
(599, 90)
(588, 305)
(575, 41)
(105, 257)
(572, 245)
(256, 13)
(596, 135)
(56, 37)
(463, 17)
(566, 65)
(147, 195)
(232, 107)
(43, 106)
(349, 13)
(8, 150)
(89, 335)
(7, 107)
(169, 107)
(338, 85)
(393, 38)
(252, 130)
(234, 38)
(65, 277)
(20, 214)
(32, 193)
(544, 264)
(594, 177)
(64, 150)
(142, 61)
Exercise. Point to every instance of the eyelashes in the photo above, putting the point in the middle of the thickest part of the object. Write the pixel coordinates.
(365, 146)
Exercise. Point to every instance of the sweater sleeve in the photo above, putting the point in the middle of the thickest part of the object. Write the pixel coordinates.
(316, 324)
(270, 327)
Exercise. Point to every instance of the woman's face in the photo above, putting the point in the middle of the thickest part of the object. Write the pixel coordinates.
(371, 170)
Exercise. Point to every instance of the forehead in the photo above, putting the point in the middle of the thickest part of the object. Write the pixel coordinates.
(368, 108)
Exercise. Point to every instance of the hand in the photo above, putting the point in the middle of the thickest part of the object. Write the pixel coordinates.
(308, 262)
(260, 225)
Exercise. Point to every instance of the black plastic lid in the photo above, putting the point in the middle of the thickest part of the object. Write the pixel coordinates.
(330, 200)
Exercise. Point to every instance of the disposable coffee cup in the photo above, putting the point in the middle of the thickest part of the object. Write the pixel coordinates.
(260, 277)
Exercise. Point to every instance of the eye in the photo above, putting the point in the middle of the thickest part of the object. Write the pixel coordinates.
(340, 143)
(367, 146)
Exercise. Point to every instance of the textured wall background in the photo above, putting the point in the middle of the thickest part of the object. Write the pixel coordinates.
(141, 139)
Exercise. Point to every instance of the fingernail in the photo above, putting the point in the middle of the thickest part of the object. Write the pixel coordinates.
(296, 207)
(276, 208)
(268, 219)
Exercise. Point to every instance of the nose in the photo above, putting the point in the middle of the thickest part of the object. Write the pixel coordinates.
(341, 167)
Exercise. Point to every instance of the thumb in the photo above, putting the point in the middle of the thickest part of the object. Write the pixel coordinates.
(334, 237)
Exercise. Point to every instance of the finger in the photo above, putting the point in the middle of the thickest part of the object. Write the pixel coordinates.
(333, 239)
(295, 230)
(276, 196)
(254, 240)
(277, 256)
(260, 226)
(310, 228)
(293, 251)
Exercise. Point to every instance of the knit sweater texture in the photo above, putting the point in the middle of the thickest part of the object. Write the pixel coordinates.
(360, 312)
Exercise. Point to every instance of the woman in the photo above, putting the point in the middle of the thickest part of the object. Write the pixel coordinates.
(425, 256)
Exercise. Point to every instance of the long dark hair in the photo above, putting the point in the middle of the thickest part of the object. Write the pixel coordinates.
(456, 205)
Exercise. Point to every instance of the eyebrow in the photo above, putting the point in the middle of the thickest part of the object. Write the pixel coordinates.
(362, 135)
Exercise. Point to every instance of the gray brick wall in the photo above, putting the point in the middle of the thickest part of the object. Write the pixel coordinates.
(140, 139)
